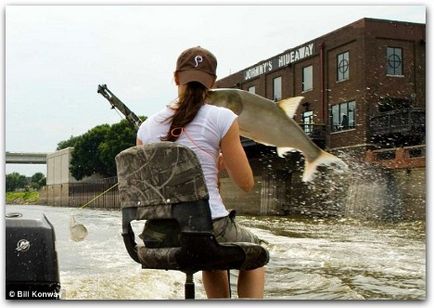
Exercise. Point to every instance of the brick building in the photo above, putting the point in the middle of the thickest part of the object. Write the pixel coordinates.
(364, 94)
(364, 84)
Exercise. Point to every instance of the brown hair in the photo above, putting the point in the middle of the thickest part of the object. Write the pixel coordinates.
(188, 106)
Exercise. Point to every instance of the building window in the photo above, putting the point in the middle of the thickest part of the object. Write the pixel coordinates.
(394, 61)
(252, 89)
(277, 88)
(343, 116)
(308, 121)
(343, 66)
(307, 79)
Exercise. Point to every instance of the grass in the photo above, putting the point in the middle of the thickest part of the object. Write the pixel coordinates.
(22, 197)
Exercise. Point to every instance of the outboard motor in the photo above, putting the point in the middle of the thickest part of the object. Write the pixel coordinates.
(31, 260)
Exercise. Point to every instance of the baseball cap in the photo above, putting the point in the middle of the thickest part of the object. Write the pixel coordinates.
(197, 64)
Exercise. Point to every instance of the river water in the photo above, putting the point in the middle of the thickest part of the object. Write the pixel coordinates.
(310, 259)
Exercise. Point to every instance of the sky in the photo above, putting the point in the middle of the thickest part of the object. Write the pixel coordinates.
(57, 55)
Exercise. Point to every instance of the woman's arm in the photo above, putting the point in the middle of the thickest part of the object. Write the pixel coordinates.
(138, 141)
(235, 159)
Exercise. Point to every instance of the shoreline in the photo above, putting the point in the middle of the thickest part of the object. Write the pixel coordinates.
(22, 197)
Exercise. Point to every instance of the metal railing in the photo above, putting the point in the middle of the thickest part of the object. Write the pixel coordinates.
(81, 193)
(404, 121)
(314, 131)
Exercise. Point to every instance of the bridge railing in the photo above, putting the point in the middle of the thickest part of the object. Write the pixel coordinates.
(26, 158)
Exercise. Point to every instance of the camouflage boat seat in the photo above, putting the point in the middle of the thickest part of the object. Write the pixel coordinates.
(163, 184)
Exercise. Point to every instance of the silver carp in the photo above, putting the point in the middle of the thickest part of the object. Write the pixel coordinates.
(77, 231)
(272, 124)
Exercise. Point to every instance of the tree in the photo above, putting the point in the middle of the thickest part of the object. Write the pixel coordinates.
(15, 181)
(85, 156)
(95, 151)
(38, 180)
(121, 136)
(71, 142)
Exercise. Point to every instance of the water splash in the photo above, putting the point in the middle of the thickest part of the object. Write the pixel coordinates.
(364, 191)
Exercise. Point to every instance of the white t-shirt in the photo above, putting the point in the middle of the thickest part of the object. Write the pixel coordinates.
(203, 136)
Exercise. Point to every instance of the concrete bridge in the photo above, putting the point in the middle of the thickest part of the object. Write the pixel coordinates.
(26, 158)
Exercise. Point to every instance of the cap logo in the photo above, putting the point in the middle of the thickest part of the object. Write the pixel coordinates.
(198, 59)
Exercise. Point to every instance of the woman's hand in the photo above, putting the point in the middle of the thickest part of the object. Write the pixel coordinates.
(220, 163)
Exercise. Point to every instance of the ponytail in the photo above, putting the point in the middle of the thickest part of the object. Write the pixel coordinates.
(188, 107)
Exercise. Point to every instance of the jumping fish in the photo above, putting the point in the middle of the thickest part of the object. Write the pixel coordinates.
(272, 124)
(77, 232)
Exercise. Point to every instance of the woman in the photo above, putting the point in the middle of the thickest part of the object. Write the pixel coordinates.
(208, 130)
